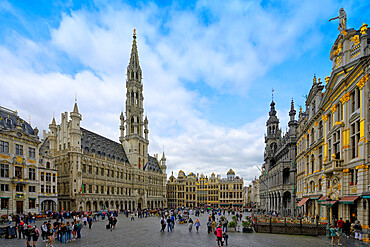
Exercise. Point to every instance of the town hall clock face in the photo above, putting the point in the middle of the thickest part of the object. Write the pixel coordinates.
(19, 134)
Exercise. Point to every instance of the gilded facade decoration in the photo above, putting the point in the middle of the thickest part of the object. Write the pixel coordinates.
(332, 165)
(202, 191)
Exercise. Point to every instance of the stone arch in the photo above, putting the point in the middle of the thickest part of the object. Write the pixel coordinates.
(95, 206)
(140, 203)
(88, 206)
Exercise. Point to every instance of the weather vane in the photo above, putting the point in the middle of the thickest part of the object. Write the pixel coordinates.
(272, 93)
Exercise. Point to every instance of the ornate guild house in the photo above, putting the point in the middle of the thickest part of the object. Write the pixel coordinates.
(96, 173)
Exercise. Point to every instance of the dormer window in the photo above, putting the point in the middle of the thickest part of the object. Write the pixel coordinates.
(8, 122)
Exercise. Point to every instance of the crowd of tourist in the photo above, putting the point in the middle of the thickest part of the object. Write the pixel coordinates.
(216, 223)
(67, 226)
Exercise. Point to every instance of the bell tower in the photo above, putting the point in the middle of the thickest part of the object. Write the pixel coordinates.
(134, 142)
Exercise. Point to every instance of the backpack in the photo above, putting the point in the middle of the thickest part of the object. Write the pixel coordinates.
(37, 232)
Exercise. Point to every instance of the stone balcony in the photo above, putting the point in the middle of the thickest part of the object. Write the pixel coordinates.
(333, 166)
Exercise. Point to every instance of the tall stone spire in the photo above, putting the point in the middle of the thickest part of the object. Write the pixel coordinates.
(134, 59)
(134, 141)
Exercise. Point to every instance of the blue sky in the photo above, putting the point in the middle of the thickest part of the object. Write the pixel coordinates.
(209, 68)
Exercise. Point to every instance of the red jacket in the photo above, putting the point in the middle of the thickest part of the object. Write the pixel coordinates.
(340, 223)
(219, 232)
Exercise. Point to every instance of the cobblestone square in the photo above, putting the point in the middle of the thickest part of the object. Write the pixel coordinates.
(146, 232)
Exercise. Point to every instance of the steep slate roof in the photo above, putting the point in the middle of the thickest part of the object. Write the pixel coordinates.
(9, 120)
(153, 165)
(94, 143)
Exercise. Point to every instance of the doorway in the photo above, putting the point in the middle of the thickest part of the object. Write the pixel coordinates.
(334, 211)
(19, 206)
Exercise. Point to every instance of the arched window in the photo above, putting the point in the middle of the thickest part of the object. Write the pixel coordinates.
(320, 184)
(132, 74)
(132, 125)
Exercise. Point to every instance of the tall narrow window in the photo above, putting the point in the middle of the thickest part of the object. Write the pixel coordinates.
(18, 172)
(18, 149)
(355, 137)
(31, 174)
(4, 147)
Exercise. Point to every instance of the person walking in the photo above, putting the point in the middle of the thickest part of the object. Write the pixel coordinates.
(21, 229)
(219, 236)
(78, 229)
(35, 236)
(44, 231)
(132, 216)
(169, 225)
(213, 225)
(63, 233)
(226, 237)
(163, 224)
(358, 229)
(190, 226)
(90, 221)
(50, 236)
(29, 232)
(224, 224)
(340, 224)
(197, 224)
(334, 234)
(209, 226)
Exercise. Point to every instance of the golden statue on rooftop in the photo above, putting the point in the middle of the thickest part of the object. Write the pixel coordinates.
(342, 20)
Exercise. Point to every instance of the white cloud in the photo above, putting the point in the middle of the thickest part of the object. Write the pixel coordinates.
(239, 46)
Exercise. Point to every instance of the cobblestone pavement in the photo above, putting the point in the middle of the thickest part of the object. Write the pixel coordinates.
(145, 232)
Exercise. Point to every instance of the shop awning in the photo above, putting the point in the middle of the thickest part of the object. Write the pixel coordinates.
(314, 198)
(366, 197)
(5, 197)
(348, 199)
(303, 201)
(323, 199)
(237, 204)
(224, 204)
(328, 203)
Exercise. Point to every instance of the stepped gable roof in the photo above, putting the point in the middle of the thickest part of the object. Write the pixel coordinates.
(94, 143)
(9, 120)
(153, 165)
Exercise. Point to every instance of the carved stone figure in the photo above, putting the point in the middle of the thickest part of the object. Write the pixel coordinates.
(342, 20)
